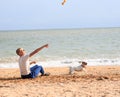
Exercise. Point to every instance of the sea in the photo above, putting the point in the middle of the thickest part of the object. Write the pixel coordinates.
(96, 46)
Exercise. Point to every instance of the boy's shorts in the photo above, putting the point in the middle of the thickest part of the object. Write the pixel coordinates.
(35, 71)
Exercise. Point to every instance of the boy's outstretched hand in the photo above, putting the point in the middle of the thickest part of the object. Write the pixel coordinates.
(33, 62)
(46, 45)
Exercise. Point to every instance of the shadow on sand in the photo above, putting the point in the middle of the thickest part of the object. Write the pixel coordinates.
(11, 78)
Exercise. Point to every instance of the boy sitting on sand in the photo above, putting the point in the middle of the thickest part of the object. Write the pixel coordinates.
(78, 68)
(24, 64)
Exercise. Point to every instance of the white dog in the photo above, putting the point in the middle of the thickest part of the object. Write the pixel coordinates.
(81, 67)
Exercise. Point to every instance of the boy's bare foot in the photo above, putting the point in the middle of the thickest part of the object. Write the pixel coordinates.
(46, 74)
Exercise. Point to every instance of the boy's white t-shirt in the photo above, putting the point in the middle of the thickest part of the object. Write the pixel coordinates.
(24, 64)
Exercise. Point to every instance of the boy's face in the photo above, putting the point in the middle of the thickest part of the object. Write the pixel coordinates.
(21, 52)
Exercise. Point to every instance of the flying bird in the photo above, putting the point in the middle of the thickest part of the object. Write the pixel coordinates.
(64, 1)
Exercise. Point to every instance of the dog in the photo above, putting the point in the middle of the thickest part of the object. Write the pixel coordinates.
(81, 67)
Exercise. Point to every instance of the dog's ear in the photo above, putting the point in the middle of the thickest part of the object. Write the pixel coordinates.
(85, 63)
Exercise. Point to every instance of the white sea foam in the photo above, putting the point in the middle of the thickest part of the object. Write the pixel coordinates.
(67, 63)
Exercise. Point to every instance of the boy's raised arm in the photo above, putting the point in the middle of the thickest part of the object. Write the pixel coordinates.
(37, 50)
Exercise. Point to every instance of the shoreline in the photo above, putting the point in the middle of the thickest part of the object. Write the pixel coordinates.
(101, 81)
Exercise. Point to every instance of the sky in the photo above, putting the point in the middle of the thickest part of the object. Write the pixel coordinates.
(50, 14)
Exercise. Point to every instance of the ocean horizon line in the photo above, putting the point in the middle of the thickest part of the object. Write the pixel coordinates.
(46, 29)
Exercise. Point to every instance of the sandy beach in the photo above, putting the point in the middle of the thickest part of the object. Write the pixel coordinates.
(101, 81)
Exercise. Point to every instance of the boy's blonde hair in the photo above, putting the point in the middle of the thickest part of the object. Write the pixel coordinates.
(18, 50)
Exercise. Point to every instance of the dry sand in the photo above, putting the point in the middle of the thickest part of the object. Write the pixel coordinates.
(101, 81)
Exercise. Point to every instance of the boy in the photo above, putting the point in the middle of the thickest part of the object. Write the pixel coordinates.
(24, 64)
(78, 68)
(63, 2)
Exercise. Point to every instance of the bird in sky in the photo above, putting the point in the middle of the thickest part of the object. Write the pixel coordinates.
(64, 1)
